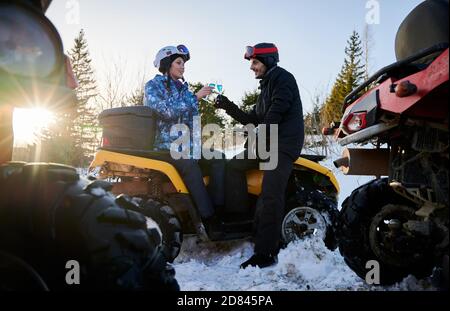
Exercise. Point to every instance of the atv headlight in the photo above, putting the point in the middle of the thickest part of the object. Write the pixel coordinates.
(29, 44)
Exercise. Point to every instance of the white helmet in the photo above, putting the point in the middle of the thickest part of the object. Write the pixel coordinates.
(168, 51)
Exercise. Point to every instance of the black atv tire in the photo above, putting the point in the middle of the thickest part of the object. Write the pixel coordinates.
(355, 218)
(168, 222)
(49, 215)
(318, 201)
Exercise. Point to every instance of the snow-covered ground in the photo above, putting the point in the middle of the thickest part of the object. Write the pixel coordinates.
(302, 266)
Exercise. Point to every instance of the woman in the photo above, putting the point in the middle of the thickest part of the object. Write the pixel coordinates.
(170, 96)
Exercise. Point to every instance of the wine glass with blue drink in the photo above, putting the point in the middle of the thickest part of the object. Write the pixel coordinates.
(219, 87)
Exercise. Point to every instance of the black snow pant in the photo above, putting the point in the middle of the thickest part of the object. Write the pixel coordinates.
(271, 203)
(205, 198)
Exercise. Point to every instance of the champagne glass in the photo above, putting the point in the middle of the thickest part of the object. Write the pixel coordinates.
(211, 85)
(219, 87)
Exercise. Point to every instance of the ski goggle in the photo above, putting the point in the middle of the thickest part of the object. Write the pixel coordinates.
(251, 52)
(184, 50)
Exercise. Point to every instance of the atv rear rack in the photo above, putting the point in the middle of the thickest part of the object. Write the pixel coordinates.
(354, 95)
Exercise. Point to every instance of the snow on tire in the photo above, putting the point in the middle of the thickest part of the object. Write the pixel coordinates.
(311, 213)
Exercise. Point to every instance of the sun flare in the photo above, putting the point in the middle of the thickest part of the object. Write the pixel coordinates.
(29, 124)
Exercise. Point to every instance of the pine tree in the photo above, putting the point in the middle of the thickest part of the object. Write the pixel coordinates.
(332, 109)
(58, 141)
(350, 76)
(86, 126)
(59, 145)
(249, 100)
(353, 73)
(312, 119)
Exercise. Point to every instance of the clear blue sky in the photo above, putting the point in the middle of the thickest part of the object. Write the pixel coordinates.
(310, 34)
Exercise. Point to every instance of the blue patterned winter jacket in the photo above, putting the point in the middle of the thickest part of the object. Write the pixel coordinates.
(177, 106)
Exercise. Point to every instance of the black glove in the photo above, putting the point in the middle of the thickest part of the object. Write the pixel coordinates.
(223, 102)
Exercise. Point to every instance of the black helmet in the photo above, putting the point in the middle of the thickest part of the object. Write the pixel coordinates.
(267, 53)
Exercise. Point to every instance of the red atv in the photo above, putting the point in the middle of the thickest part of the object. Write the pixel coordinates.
(401, 220)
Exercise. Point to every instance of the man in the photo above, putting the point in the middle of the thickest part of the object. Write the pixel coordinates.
(278, 104)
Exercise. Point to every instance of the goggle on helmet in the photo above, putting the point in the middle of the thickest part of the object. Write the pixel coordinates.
(263, 50)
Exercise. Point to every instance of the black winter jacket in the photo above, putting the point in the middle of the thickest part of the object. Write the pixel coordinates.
(279, 103)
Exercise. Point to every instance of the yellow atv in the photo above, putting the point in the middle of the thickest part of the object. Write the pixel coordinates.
(126, 160)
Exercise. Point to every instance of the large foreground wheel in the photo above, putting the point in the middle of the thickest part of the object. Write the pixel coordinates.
(372, 220)
(310, 213)
(49, 216)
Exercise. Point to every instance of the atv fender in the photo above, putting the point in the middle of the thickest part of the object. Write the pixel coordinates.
(254, 177)
(311, 165)
(103, 156)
